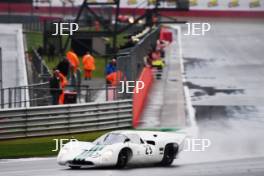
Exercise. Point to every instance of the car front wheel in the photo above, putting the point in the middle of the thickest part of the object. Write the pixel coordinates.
(123, 158)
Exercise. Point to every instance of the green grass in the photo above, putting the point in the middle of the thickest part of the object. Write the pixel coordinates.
(100, 67)
(121, 40)
(51, 63)
(34, 40)
(39, 146)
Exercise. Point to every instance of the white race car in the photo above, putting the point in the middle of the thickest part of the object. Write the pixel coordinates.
(119, 148)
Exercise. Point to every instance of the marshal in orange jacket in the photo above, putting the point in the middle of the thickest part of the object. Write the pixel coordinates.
(88, 62)
(63, 84)
(114, 78)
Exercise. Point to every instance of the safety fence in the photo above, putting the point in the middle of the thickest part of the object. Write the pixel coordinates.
(33, 26)
(131, 60)
(29, 22)
(40, 95)
(36, 7)
(39, 68)
(23, 96)
(1, 65)
(65, 119)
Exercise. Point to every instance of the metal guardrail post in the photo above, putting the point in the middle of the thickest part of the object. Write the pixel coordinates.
(26, 124)
(86, 95)
(29, 94)
(41, 66)
(115, 92)
(24, 98)
(79, 94)
(2, 98)
(15, 95)
(68, 116)
(20, 97)
(106, 92)
(90, 94)
(9, 97)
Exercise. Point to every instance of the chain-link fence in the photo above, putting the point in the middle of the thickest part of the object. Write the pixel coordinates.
(131, 60)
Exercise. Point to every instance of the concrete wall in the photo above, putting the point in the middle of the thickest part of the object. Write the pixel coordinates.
(140, 98)
(13, 56)
(13, 69)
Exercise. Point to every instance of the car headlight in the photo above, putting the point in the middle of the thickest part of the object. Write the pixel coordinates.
(95, 155)
(63, 151)
(107, 154)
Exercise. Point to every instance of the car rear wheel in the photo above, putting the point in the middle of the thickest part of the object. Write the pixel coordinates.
(169, 154)
(123, 158)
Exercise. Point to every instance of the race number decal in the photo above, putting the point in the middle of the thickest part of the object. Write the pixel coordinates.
(148, 150)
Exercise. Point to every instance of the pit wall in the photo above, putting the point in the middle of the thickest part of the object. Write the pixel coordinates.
(140, 98)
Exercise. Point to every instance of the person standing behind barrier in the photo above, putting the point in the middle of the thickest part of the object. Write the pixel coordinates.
(155, 55)
(63, 84)
(55, 89)
(111, 67)
(73, 59)
(64, 67)
(160, 47)
(148, 60)
(88, 65)
(51, 51)
(114, 78)
(73, 78)
(40, 51)
(78, 81)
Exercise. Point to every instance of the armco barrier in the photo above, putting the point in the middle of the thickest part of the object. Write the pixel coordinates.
(140, 98)
(65, 119)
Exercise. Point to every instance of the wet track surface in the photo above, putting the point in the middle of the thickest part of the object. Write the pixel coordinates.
(225, 66)
(224, 71)
(242, 167)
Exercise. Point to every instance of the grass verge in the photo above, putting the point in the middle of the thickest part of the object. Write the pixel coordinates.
(39, 146)
(35, 39)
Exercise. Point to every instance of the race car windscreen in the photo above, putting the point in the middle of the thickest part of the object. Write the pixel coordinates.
(112, 138)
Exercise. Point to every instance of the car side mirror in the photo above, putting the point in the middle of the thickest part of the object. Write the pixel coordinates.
(126, 140)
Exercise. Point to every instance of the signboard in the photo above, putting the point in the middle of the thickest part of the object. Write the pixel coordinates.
(226, 5)
(229, 5)
(16, 1)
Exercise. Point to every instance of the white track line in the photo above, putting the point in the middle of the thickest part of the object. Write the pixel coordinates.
(192, 130)
(26, 159)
